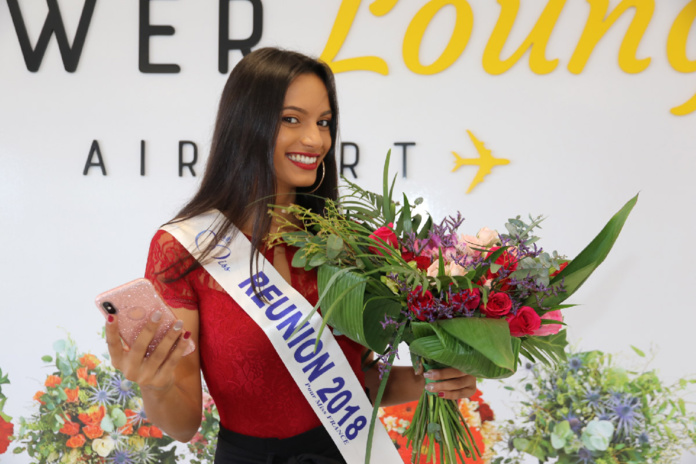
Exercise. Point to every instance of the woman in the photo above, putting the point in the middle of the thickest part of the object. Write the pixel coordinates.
(274, 141)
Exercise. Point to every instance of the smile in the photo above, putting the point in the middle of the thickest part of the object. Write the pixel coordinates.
(303, 161)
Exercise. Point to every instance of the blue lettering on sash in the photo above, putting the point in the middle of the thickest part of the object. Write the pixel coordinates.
(291, 321)
(318, 366)
(301, 337)
(274, 316)
(260, 280)
(302, 358)
(267, 295)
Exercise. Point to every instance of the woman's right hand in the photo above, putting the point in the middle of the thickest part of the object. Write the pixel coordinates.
(157, 371)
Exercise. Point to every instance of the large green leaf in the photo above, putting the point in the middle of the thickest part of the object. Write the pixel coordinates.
(549, 349)
(445, 349)
(344, 308)
(490, 337)
(579, 269)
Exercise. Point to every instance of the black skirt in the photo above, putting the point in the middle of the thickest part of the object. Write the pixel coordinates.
(312, 447)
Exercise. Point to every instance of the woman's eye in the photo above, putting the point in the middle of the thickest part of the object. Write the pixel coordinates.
(324, 123)
(290, 119)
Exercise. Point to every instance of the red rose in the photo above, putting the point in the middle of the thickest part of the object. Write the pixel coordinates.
(466, 300)
(144, 431)
(421, 303)
(383, 234)
(525, 322)
(82, 373)
(422, 262)
(506, 260)
(6, 430)
(76, 441)
(499, 304)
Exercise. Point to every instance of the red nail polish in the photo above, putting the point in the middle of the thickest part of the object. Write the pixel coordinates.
(441, 394)
(187, 334)
(110, 319)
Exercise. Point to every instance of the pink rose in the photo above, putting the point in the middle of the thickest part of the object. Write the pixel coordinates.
(466, 242)
(386, 234)
(488, 237)
(525, 322)
(499, 304)
(550, 329)
(453, 269)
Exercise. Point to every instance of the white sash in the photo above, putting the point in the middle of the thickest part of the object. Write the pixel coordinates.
(324, 377)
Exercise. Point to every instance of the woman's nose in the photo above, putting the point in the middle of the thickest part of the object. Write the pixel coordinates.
(311, 137)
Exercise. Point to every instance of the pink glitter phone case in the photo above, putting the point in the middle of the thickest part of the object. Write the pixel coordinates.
(134, 303)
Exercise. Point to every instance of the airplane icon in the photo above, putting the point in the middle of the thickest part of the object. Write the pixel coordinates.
(486, 161)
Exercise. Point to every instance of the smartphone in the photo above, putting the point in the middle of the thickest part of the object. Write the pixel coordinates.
(134, 303)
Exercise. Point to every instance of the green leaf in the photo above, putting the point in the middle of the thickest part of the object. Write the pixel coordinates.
(107, 424)
(334, 246)
(580, 268)
(638, 352)
(490, 337)
(47, 358)
(346, 307)
(59, 346)
(449, 351)
(386, 198)
(405, 219)
(300, 258)
(317, 260)
(549, 349)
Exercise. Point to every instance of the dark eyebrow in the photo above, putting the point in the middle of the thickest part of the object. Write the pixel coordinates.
(303, 111)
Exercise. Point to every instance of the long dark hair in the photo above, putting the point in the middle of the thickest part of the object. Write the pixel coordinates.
(239, 178)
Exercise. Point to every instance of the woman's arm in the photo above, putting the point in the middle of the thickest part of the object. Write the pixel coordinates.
(404, 385)
(170, 384)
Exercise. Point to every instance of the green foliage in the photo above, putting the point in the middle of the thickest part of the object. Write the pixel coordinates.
(592, 409)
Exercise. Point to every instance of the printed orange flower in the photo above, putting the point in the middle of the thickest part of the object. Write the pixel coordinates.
(82, 373)
(72, 394)
(70, 428)
(38, 395)
(89, 361)
(53, 380)
(76, 441)
(93, 431)
(155, 432)
(92, 380)
(126, 429)
(94, 415)
(144, 431)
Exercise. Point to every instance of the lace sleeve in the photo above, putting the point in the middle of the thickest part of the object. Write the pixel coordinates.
(166, 262)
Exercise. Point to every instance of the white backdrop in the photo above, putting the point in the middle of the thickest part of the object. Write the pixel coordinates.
(579, 145)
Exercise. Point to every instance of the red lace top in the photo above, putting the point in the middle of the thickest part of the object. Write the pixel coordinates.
(253, 391)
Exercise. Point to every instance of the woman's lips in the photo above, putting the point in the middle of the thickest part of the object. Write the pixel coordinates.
(301, 160)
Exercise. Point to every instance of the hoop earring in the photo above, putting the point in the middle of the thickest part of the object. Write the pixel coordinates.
(323, 173)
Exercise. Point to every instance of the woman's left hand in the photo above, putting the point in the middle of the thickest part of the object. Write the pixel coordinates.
(451, 384)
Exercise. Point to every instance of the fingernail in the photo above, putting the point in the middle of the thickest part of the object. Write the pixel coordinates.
(178, 325)
(156, 316)
(441, 394)
(110, 319)
(187, 334)
(429, 375)
(430, 387)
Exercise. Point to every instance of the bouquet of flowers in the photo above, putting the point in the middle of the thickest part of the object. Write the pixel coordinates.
(90, 413)
(477, 413)
(203, 444)
(6, 425)
(590, 410)
(386, 275)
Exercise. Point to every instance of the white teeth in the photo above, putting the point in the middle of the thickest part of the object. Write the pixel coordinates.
(302, 158)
